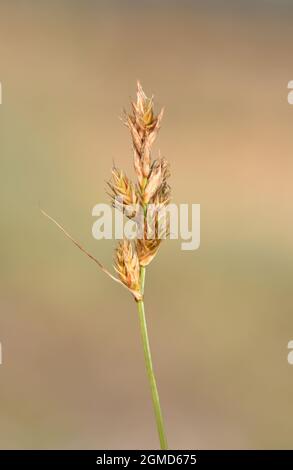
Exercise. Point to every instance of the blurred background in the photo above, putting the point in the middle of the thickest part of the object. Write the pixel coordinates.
(220, 318)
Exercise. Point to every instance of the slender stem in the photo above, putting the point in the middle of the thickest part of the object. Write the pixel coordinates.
(149, 367)
(142, 279)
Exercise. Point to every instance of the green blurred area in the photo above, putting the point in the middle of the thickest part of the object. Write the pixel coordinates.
(220, 318)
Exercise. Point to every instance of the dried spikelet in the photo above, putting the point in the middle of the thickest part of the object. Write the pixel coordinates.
(147, 250)
(157, 181)
(157, 222)
(127, 267)
(138, 167)
(156, 229)
(144, 126)
(154, 181)
(165, 165)
(162, 196)
(136, 138)
(123, 192)
(143, 109)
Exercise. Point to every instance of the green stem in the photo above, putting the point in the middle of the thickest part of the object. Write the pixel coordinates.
(149, 366)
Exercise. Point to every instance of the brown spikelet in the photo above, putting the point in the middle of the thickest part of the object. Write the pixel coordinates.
(143, 109)
(143, 126)
(162, 196)
(123, 192)
(147, 250)
(156, 229)
(138, 167)
(154, 181)
(157, 222)
(157, 181)
(165, 165)
(136, 138)
(127, 266)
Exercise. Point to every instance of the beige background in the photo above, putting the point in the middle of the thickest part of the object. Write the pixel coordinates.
(220, 318)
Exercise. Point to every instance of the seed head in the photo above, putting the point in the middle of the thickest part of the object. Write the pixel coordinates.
(135, 200)
(127, 267)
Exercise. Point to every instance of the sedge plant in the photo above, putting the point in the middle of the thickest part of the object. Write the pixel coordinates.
(150, 190)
